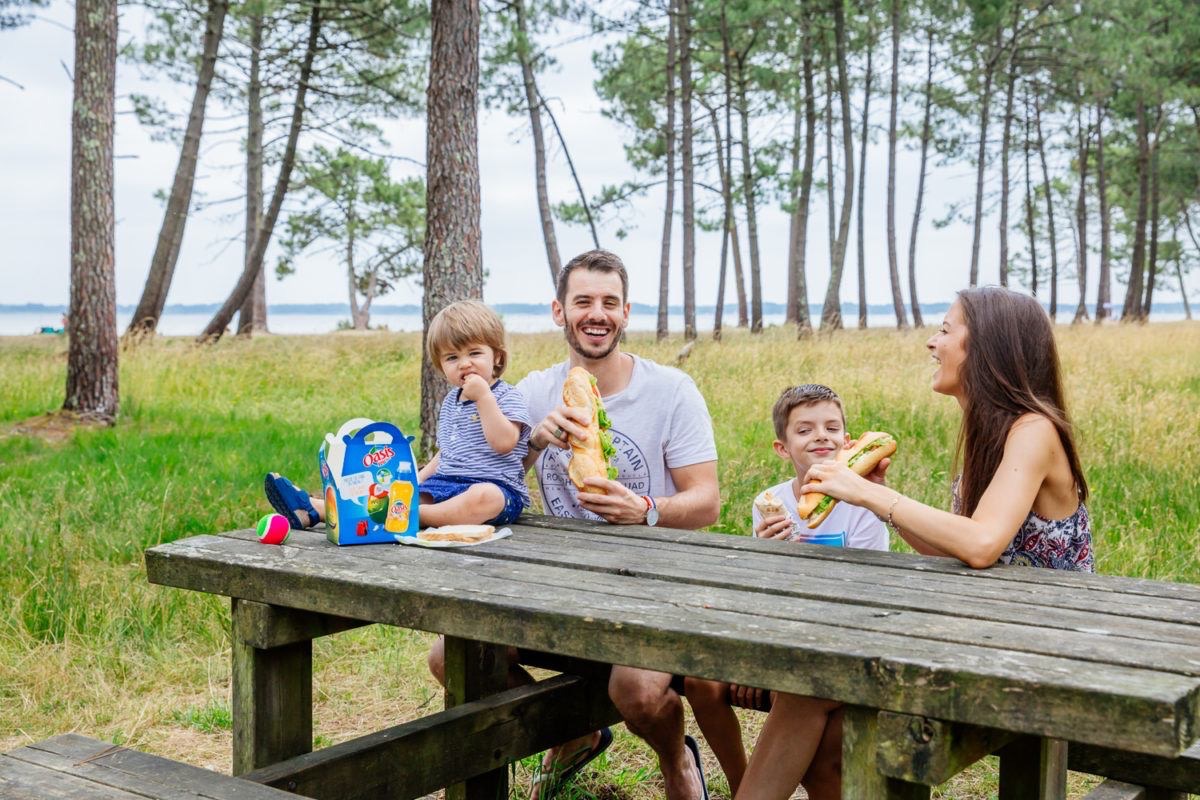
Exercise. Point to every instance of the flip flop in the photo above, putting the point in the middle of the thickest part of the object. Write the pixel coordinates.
(551, 781)
(287, 498)
(695, 748)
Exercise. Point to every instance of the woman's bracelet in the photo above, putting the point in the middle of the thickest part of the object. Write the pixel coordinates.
(891, 510)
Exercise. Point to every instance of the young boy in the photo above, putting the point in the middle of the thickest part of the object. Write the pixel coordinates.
(483, 432)
(810, 427)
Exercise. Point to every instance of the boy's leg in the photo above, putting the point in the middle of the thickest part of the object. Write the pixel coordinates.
(654, 711)
(719, 724)
(475, 506)
(786, 746)
(823, 781)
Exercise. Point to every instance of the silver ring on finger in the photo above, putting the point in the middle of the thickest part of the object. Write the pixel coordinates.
(559, 433)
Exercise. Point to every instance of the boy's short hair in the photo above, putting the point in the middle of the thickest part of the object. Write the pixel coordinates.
(597, 260)
(467, 322)
(805, 394)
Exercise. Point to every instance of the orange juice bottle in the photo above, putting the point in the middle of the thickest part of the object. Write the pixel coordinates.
(399, 501)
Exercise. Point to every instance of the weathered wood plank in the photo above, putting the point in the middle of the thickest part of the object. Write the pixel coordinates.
(547, 608)
(263, 626)
(20, 780)
(1181, 774)
(271, 701)
(475, 670)
(906, 562)
(861, 778)
(1033, 768)
(418, 757)
(1115, 790)
(72, 758)
(931, 751)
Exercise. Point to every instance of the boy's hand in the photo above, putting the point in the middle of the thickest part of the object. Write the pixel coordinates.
(778, 526)
(745, 696)
(475, 388)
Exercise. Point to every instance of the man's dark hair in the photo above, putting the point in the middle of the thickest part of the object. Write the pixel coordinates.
(598, 261)
(803, 395)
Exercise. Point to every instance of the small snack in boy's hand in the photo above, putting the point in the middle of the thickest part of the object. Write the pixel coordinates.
(273, 529)
(457, 533)
(768, 504)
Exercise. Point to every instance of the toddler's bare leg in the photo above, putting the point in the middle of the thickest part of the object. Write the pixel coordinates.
(483, 501)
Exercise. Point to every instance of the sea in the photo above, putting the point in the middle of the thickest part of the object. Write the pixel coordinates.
(24, 320)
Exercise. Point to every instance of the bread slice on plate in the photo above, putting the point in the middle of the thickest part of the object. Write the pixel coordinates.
(457, 533)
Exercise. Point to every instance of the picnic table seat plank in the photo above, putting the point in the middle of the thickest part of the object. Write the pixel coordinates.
(905, 562)
(75, 766)
(1135, 709)
(1180, 774)
(1022, 634)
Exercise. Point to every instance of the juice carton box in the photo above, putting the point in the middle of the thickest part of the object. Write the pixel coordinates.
(370, 480)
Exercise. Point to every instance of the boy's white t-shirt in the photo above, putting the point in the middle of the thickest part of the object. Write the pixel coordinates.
(846, 525)
(659, 422)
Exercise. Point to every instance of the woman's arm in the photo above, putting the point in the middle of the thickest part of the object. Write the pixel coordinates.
(977, 540)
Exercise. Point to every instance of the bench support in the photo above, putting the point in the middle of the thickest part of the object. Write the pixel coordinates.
(861, 777)
(1033, 768)
(475, 670)
(272, 693)
(931, 751)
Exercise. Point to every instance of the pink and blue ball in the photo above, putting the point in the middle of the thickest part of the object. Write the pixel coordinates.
(273, 529)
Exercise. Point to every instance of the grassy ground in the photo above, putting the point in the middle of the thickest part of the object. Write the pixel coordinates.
(87, 645)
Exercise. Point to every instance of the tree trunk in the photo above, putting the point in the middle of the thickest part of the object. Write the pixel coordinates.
(756, 321)
(1187, 309)
(727, 71)
(533, 103)
(453, 267)
(1081, 217)
(1132, 310)
(170, 233)
(1104, 284)
(1051, 230)
(926, 135)
(252, 318)
(689, 204)
(358, 320)
(1005, 141)
(893, 265)
(664, 259)
(801, 189)
(91, 389)
(831, 214)
(985, 102)
(724, 151)
(862, 175)
(831, 313)
(1033, 265)
(216, 326)
(566, 151)
(1152, 266)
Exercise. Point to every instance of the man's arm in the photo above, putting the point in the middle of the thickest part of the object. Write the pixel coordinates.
(695, 504)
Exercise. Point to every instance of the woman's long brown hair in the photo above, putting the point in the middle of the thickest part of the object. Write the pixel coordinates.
(1011, 368)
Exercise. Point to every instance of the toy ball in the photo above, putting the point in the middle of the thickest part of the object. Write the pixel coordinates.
(273, 529)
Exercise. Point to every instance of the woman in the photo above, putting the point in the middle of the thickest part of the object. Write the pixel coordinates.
(1018, 499)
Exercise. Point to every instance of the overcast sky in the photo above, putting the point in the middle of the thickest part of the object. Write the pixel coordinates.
(35, 199)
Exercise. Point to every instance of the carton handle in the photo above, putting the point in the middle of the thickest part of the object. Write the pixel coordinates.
(374, 427)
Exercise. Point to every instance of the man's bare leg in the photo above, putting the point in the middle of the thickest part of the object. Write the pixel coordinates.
(719, 724)
(654, 711)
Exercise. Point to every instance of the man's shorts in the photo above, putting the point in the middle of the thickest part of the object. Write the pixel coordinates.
(443, 487)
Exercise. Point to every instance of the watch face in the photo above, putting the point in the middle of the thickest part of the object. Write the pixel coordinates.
(652, 517)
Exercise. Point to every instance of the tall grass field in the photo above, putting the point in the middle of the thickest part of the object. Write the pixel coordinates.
(87, 645)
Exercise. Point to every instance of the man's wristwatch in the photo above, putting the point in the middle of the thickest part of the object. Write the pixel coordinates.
(651, 510)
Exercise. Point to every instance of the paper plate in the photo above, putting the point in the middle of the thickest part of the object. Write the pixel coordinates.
(413, 540)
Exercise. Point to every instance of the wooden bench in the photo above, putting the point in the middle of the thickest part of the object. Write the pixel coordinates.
(79, 768)
(929, 657)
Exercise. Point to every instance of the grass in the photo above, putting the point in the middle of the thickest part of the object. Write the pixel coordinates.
(86, 644)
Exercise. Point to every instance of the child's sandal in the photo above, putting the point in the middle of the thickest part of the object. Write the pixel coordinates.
(287, 498)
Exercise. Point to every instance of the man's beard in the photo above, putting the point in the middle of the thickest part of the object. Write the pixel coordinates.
(578, 346)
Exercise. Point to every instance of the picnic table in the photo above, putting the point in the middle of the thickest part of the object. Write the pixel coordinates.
(938, 664)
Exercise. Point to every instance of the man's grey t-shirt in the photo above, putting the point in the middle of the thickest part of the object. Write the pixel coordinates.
(659, 422)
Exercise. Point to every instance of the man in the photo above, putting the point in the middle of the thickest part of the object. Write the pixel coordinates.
(667, 475)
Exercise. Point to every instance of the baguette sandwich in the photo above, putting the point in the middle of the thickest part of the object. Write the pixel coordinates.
(590, 458)
(457, 533)
(871, 448)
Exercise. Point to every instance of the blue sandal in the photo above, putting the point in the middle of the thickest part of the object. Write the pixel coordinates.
(287, 498)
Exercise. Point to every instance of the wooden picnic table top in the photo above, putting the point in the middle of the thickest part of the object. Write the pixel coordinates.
(1105, 660)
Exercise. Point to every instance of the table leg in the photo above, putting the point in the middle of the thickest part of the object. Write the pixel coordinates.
(861, 778)
(272, 700)
(1033, 768)
(475, 670)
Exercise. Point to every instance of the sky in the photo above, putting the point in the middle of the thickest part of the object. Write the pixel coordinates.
(35, 198)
